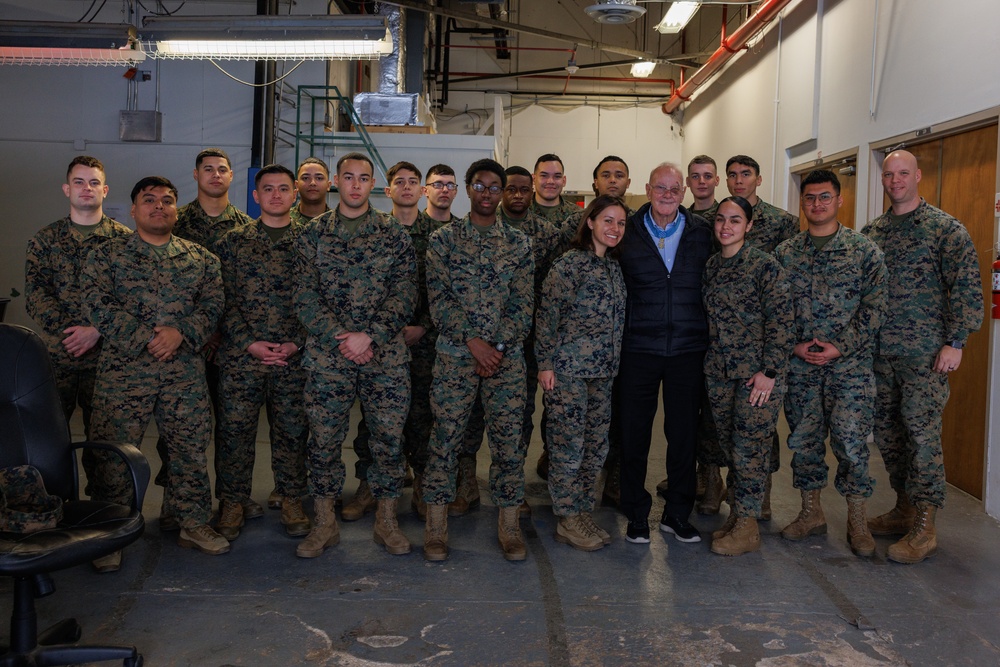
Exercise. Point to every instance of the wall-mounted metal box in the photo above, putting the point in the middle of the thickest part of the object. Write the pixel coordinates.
(140, 126)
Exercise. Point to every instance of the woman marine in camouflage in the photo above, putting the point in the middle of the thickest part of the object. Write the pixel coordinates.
(750, 323)
(578, 329)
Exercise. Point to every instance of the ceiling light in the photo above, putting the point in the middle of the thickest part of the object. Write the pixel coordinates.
(47, 55)
(642, 69)
(267, 37)
(676, 17)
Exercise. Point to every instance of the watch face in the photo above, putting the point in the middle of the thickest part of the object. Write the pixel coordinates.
(770, 373)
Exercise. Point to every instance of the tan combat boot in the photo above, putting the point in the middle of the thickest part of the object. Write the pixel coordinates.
(325, 532)
(921, 541)
(859, 538)
(387, 532)
(715, 491)
(701, 482)
(731, 519)
(810, 520)
(765, 503)
(204, 539)
(742, 539)
(588, 519)
(576, 532)
(230, 520)
(436, 532)
(274, 500)
(293, 517)
(362, 503)
(897, 521)
(509, 534)
(417, 503)
(467, 487)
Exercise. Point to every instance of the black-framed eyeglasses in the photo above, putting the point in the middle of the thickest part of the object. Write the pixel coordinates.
(441, 185)
(494, 189)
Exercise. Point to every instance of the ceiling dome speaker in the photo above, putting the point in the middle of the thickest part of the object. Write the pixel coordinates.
(615, 12)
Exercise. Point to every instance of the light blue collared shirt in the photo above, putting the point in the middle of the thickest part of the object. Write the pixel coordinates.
(669, 250)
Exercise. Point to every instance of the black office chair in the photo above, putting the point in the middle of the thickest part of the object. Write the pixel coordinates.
(33, 431)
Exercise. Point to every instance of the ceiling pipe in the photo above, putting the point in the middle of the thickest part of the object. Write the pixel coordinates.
(730, 46)
(576, 77)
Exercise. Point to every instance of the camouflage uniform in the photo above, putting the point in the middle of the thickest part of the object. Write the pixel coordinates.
(555, 215)
(417, 431)
(771, 226)
(579, 328)
(360, 282)
(839, 296)
(479, 285)
(750, 323)
(258, 279)
(709, 213)
(546, 246)
(934, 297)
(298, 218)
(53, 296)
(131, 289)
(195, 225)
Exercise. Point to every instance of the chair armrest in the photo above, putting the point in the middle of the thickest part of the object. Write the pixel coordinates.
(134, 459)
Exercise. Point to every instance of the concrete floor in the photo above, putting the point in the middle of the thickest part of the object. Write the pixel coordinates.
(666, 603)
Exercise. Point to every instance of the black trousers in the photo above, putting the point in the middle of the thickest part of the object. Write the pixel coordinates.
(640, 378)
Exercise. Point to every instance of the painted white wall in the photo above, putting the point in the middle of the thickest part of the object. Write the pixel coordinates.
(931, 64)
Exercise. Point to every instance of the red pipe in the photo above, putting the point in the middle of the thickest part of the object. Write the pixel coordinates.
(730, 45)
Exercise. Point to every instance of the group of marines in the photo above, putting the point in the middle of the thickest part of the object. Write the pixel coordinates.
(427, 320)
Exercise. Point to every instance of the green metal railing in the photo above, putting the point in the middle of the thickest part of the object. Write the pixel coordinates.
(309, 98)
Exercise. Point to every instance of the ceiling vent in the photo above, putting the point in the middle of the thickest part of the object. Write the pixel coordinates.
(615, 12)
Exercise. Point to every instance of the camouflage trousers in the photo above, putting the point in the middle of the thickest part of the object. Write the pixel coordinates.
(708, 451)
(124, 402)
(76, 387)
(453, 394)
(910, 398)
(745, 436)
(243, 390)
(838, 402)
(579, 419)
(385, 399)
(417, 430)
(477, 420)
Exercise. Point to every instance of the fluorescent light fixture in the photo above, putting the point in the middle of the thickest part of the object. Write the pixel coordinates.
(642, 69)
(676, 17)
(45, 55)
(267, 37)
(56, 43)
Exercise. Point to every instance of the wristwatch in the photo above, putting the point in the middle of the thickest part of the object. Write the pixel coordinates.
(770, 373)
(500, 347)
(957, 344)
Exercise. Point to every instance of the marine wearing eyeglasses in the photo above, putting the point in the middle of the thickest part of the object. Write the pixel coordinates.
(837, 278)
(440, 189)
(479, 281)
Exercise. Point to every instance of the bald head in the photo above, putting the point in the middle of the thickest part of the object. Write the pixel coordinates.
(900, 176)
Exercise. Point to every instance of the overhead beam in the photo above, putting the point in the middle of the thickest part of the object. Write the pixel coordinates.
(514, 27)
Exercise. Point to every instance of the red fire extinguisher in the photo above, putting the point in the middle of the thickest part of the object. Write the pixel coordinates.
(996, 287)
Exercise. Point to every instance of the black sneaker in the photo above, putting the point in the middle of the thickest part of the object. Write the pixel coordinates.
(638, 532)
(680, 528)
